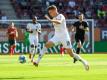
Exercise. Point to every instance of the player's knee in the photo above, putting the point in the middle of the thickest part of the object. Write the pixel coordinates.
(79, 45)
(32, 46)
(70, 52)
(40, 55)
(35, 47)
(49, 45)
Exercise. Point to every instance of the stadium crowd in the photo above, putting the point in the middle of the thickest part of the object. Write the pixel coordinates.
(25, 9)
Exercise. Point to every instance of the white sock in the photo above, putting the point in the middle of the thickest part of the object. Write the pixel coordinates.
(44, 50)
(76, 56)
(32, 52)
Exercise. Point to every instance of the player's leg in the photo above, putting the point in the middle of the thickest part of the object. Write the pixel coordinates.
(35, 50)
(77, 39)
(76, 56)
(12, 46)
(43, 51)
(32, 51)
(49, 44)
(69, 50)
(32, 47)
(78, 47)
(80, 42)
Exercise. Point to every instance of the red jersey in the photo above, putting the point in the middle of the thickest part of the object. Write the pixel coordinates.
(12, 33)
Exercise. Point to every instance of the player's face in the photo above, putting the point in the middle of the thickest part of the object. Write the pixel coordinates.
(81, 17)
(34, 20)
(12, 25)
(52, 12)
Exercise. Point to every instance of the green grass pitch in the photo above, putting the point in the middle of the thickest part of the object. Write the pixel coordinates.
(54, 67)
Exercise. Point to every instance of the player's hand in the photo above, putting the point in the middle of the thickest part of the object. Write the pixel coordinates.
(12, 33)
(86, 29)
(47, 17)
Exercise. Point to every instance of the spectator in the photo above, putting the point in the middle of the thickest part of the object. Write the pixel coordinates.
(4, 23)
(72, 3)
(3, 17)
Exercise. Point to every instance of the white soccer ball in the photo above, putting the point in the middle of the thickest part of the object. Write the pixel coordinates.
(22, 59)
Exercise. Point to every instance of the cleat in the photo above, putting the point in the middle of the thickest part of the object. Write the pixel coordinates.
(75, 60)
(35, 64)
(86, 65)
(29, 56)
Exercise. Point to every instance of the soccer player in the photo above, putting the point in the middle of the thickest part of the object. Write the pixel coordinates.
(33, 28)
(26, 38)
(61, 36)
(80, 27)
(12, 35)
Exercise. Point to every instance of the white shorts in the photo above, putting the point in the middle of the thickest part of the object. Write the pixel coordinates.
(61, 40)
(33, 40)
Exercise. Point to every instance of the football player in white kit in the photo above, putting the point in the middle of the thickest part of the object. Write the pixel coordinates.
(34, 29)
(61, 36)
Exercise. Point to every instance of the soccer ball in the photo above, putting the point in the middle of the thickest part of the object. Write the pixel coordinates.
(22, 59)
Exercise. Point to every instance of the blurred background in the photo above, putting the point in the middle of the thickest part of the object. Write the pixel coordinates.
(94, 11)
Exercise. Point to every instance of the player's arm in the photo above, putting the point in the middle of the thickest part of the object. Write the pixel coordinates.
(86, 27)
(16, 33)
(73, 28)
(39, 29)
(9, 32)
(28, 29)
(53, 21)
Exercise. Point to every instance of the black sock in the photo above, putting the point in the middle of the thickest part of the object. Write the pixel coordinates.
(78, 50)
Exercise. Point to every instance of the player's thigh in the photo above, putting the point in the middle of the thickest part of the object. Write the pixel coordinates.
(49, 44)
(53, 41)
(69, 51)
(82, 40)
(36, 42)
(66, 43)
(68, 47)
(78, 41)
(12, 42)
(31, 40)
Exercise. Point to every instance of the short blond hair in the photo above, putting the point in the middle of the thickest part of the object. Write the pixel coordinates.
(52, 7)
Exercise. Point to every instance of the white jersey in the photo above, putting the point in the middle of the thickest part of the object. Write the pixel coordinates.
(61, 29)
(35, 28)
(61, 33)
(33, 37)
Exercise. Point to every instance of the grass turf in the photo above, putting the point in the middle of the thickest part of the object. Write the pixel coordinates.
(54, 67)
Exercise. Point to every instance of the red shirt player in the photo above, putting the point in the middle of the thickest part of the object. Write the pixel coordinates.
(12, 35)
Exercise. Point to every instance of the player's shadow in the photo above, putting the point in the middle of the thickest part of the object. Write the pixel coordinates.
(12, 78)
(18, 78)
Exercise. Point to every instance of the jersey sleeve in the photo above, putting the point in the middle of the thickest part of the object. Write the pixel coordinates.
(28, 26)
(39, 28)
(60, 17)
(85, 24)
